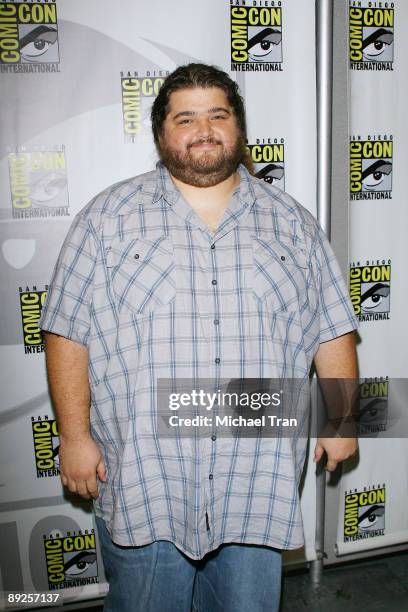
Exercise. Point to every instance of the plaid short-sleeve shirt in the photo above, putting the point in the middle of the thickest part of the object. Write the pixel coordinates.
(152, 293)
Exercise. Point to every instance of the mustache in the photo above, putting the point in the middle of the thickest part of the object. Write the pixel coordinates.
(202, 141)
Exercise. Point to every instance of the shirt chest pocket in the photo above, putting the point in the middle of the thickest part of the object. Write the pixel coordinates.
(280, 274)
(142, 272)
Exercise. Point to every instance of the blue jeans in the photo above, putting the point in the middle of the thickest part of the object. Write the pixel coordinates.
(159, 578)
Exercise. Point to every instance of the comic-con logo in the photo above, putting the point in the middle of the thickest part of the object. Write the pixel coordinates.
(29, 36)
(46, 446)
(371, 161)
(370, 289)
(31, 303)
(256, 36)
(371, 35)
(38, 183)
(268, 158)
(373, 405)
(364, 513)
(138, 93)
(71, 559)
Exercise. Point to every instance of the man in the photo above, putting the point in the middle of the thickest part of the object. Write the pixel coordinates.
(194, 271)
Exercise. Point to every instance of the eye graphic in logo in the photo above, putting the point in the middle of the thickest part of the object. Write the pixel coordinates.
(264, 44)
(375, 297)
(373, 412)
(372, 518)
(36, 44)
(145, 110)
(271, 173)
(377, 176)
(82, 564)
(377, 46)
(48, 187)
(55, 453)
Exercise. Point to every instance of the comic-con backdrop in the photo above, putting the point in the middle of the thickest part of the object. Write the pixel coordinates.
(78, 80)
(78, 83)
(374, 496)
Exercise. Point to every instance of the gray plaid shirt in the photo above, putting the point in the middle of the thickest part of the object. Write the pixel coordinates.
(153, 294)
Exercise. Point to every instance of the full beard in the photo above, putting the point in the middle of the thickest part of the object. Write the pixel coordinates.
(207, 169)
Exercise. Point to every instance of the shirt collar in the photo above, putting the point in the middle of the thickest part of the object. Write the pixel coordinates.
(165, 188)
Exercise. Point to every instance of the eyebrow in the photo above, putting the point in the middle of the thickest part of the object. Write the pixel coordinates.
(381, 35)
(385, 291)
(270, 168)
(215, 109)
(38, 32)
(276, 37)
(381, 165)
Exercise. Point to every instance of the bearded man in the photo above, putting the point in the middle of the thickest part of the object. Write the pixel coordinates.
(196, 270)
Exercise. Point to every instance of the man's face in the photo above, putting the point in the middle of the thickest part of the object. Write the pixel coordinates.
(201, 143)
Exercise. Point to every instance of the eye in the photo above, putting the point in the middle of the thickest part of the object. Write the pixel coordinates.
(373, 301)
(375, 44)
(38, 41)
(77, 568)
(261, 48)
(374, 179)
(373, 410)
(263, 43)
(369, 521)
(35, 48)
(375, 48)
(373, 297)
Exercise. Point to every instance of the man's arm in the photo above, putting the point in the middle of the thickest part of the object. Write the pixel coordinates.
(80, 457)
(336, 359)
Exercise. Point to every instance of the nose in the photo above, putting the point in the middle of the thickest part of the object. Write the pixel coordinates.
(204, 129)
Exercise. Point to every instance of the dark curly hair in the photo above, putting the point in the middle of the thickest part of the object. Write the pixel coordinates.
(189, 77)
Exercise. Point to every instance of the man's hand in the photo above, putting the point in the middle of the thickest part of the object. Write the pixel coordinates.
(80, 462)
(337, 449)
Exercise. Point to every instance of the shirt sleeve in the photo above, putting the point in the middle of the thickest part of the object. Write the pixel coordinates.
(66, 311)
(335, 308)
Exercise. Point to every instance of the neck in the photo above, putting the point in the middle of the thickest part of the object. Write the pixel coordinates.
(221, 192)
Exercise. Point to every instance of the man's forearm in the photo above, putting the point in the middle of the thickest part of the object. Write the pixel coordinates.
(81, 460)
(337, 358)
(67, 367)
(336, 366)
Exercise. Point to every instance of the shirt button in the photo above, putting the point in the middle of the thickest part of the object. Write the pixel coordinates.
(213, 246)
(283, 257)
(217, 360)
(210, 476)
(214, 282)
(136, 255)
(213, 437)
(216, 322)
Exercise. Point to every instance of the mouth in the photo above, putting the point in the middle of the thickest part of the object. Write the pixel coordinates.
(204, 146)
